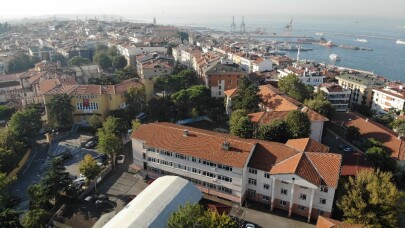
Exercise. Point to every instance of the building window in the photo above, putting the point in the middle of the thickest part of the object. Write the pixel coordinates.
(300, 207)
(283, 203)
(252, 171)
(322, 201)
(284, 182)
(283, 191)
(266, 186)
(252, 181)
(324, 189)
(267, 175)
(265, 198)
(251, 192)
(303, 196)
(303, 187)
(225, 178)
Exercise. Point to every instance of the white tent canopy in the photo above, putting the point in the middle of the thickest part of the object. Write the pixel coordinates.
(153, 207)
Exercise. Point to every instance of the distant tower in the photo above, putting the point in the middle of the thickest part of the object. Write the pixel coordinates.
(243, 26)
(298, 54)
(154, 21)
(233, 25)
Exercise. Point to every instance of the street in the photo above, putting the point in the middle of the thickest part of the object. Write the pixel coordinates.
(30, 174)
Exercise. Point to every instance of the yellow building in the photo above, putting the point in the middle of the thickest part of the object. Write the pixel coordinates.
(89, 100)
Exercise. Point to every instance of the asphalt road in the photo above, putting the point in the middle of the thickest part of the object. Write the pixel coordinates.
(29, 174)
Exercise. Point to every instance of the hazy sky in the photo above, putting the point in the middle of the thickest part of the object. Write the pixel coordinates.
(179, 8)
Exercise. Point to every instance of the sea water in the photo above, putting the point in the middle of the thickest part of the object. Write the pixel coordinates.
(387, 58)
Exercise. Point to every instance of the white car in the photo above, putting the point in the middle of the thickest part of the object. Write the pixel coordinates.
(120, 159)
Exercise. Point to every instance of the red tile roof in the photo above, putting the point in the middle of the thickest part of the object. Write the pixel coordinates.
(353, 163)
(324, 222)
(307, 144)
(371, 129)
(276, 158)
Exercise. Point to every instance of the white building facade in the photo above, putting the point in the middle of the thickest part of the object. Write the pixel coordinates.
(390, 97)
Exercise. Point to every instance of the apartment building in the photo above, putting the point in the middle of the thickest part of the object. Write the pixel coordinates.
(299, 176)
(307, 76)
(361, 86)
(390, 97)
(221, 76)
(337, 96)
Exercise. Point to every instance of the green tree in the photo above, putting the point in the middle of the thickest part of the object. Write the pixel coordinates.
(160, 109)
(294, 88)
(94, 122)
(323, 107)
(176, 82)
(20, 62)
(136, 124)
(126, 73)
(101, 48)
(136, 100)
(299, 125)
(78, 61)
(112, 51)
(276, 131)
(247, 96)
(88, 167)
(6, 112)
(4, 182)
(183, 36)
(56, 184)
(37, 218)
(194, 215)
(59, 57)
(10, 218)
(381, 158)
(103, 60)
(353, 133)
(115, 126)
(240, 125)
(59, 110)
(39, 199)
(119, 62)
(371, 199)
(109, 144)
(25, 124)
(8, 160)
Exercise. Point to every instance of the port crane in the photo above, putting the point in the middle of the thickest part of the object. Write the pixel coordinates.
(289, 27)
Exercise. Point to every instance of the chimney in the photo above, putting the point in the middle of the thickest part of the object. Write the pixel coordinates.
(367, 119)
(185, 132)
(226, 145)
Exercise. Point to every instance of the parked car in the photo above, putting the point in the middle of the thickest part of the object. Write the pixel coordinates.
(90, 144)
(101, 159)
(141, 116)
(348, 149)
(120, 159)
(64, 156)
(342, 146)
(249, 225)
(91, 198)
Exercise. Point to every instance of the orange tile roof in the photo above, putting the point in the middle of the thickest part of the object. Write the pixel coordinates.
(353, 163)
(324, 222)
(328, 166)
(314, 116)
(200, 143)
(307, 144)
(255, 117)
(371, 129)
(273, 100)
(230, 92)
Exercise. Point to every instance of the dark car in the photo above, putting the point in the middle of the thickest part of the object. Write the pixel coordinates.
(64, 156)
(101, 159)
(90, 144)
(103, 197)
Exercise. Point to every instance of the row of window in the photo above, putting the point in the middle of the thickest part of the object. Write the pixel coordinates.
(189, 169)
(86, 97)
(190, 158)
(195, 181)
(90, 106)
(302, 196)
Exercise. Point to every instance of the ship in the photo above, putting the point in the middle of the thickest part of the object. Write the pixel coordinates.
(362, 40)
(400, 42)
(319, 34)
(334, 57)
(327, 44)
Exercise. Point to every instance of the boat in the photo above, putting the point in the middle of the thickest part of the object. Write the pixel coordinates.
(327, 44)
(277, 52)
(334, 57)
(319, 34)
(400, 42)
(362, 40)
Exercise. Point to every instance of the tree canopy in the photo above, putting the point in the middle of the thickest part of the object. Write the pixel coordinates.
(176, 82)
(110, 137)
(88, 167)
(372, 200)
(20, 62)
(294, 88)
(240, 125)
(298, 123)
(78, 61)
(323, 107)
(59, 57)
(353, 133)
(247, 97)
(59, 110)
(25, 124)
(119, 62)
(103, 60)
(194, 215)
(276, 131)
